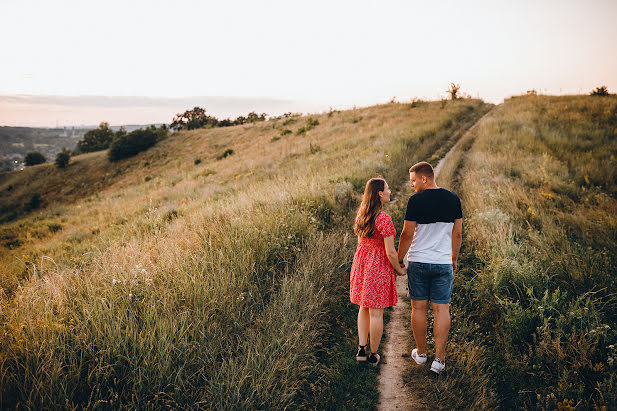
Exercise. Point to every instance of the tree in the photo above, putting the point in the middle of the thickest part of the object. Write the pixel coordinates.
(34, 157)
(127, 145)
(453, 90)
(97, 139)
(192, 119)
(253, 117)
(63, 158)
(600, 91)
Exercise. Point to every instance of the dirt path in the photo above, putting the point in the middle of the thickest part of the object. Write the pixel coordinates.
(393, 392)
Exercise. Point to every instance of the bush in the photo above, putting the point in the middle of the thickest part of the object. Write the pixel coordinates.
(310, 123)
(285, 132)
(34, 202)
(416, 103)
(97, 139)
(226, 153)
(34, 158)
(600, 91)
(127, 145)
(63, 158)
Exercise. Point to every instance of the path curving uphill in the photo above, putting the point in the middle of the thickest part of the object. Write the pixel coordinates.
(394, 394)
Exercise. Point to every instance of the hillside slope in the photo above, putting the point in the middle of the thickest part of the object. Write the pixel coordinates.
(219, 283)
(534, 308)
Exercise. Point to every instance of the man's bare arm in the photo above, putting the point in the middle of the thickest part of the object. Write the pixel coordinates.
(457, 239)
(409, 230)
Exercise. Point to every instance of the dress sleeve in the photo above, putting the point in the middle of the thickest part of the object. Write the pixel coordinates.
(384, 225)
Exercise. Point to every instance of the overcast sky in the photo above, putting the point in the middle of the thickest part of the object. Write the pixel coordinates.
(302, 55)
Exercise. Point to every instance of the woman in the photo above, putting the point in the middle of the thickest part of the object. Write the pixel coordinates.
(373, 281)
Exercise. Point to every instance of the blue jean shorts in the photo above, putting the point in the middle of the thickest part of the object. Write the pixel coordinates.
(431, 282)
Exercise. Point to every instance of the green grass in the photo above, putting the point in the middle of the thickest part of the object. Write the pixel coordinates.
(221, 284)
(534, 309)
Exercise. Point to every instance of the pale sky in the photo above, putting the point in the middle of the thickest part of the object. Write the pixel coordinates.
(305, 55)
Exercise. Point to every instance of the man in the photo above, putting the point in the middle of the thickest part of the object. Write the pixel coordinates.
(432, 232)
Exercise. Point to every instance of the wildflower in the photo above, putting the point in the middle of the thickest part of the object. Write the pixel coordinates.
(143, 270)
(131, 295)
(114, 281)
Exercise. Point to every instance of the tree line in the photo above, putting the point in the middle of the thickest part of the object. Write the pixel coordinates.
(122, 144)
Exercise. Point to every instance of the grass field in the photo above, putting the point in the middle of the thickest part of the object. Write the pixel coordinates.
(534, 311)
(217, 283)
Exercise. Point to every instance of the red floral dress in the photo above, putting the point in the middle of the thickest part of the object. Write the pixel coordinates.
(373, 280)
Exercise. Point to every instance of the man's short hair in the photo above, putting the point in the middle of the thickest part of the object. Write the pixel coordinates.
(422, 168)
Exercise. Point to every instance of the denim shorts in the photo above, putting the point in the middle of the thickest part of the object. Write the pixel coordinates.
(431, 282)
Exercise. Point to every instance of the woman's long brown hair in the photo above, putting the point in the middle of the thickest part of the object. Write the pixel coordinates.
(369, 208)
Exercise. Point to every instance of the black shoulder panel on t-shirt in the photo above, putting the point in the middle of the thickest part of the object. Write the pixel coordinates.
(434, 206)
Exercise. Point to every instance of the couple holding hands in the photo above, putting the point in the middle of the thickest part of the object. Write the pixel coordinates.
(427, 253)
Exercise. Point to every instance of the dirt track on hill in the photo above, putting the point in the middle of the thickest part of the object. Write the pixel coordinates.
(394, 394)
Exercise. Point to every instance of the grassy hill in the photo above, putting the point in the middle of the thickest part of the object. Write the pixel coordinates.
(535, 308)
(184, 278)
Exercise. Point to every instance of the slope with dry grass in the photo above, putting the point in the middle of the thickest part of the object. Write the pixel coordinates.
(534, 309)
(219, 283)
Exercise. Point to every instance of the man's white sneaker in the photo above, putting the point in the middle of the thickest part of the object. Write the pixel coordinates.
(419, 359)
(437, 366)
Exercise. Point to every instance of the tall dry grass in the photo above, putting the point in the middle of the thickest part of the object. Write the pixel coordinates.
(218, 285)
(534, 309)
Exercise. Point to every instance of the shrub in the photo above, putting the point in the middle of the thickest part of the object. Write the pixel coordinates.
(275, 138)
(97, 139)
(54, 227)
(197, 161)
(63, 158)
(600, 91)
(416, 103)
(311, 122)
(314, 148)
(226, 153)
(34, 202)
(355, 120)
(128, 145)
(34, 158)
(285, 132)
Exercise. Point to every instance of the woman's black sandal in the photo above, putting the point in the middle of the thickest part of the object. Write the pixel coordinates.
(361, 355)
(374, 359)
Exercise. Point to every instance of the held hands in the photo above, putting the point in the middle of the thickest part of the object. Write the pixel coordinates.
(401, 269)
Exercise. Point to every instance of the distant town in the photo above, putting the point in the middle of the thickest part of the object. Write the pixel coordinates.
(16, 142)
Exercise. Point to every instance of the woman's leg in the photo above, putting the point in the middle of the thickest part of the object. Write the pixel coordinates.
(376, 315)
(363, 325)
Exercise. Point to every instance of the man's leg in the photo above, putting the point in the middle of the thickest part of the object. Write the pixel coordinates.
(441, 329)
(418, 323)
